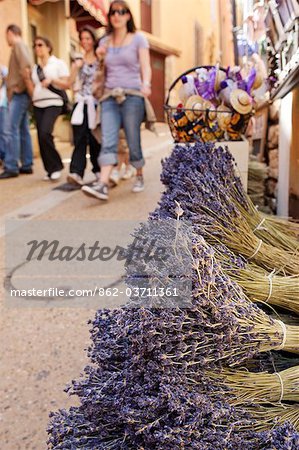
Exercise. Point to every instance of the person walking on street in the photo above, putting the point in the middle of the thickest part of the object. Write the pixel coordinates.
(18, 80)
(50, 73)
(3, 113)
(84, 114)
(127, 85)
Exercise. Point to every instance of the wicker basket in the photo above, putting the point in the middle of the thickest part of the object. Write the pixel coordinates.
(202, 127)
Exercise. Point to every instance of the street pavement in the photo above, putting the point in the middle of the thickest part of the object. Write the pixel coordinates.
(42, 349)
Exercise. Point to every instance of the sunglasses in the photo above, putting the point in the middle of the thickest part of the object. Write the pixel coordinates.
(38, 45)
(120, 12)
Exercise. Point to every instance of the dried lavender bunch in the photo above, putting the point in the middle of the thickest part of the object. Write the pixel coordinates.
(211, 161)
(259, 284)
(220, 162)
(167, 268)
(137, 393)
(209, 205)
(143, 401)
(213, 297)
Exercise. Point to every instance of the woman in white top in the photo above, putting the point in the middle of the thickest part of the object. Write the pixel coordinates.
(50, 73)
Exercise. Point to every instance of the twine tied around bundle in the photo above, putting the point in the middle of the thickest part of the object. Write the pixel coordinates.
(281, 386)
(284, 332)
(270, 277)
(256, 250)
(260, 226)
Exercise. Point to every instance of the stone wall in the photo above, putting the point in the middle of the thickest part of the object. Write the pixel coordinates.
(272, 155)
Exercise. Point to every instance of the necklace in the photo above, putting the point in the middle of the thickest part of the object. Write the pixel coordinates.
(117, 49)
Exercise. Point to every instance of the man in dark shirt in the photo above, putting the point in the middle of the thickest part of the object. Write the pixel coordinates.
(19, 140)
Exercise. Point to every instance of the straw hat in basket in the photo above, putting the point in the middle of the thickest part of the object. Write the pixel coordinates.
(212, 113)
(224, 115)
(241, 101)
(196, 104)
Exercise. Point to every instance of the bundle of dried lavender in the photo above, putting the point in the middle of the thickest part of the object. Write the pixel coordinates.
(210, 201)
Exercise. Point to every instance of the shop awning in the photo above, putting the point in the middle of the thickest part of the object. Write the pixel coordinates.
(96, 8)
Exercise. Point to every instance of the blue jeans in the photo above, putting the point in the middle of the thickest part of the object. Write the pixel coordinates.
(3, 132)
(19, 142)
(114, 116)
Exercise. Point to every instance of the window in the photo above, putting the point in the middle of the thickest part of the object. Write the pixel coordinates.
(33, 34)
(146, 15)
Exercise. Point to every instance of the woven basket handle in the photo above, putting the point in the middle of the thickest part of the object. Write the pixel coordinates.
(186, 73)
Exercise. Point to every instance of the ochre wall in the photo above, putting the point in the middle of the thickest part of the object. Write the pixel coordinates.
(11, 11)
(174, 22)
(50, 21)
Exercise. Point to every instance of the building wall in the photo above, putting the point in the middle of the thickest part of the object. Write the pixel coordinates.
(175, 22)
(11, 11)
(226, 40)
(191, 29)
(50, 21)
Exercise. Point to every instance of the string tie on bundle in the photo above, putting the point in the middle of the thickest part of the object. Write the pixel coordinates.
(284, 331)
(270, 277)
(257, 249)
(281, 386)
(260, 226)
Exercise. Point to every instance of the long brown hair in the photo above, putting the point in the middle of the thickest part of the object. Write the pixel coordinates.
(92, 32)
(131, 27)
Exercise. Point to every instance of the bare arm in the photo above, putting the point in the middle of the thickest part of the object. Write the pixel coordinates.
(146, 71)
(76, 66)
(61, 83)
(58, 83)
(64, 82)
(26, 73)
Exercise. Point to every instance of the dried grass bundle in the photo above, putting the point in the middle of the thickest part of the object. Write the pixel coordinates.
(268, 416)
(283, 225)
(260, 387)
(267, 287)
(265, 228)
(238, 236)
(216, 205)
(221, 164)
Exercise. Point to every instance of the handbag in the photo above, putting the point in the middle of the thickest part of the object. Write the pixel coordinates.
(66, 106)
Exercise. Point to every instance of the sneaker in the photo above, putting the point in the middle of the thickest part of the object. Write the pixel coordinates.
(128, 173)
(139, 184)
(75, 179)
(99, 191)
(97, 180)
(4, 175)
(25, 171)
(46, 178)
(55, 175)
(114, 177)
